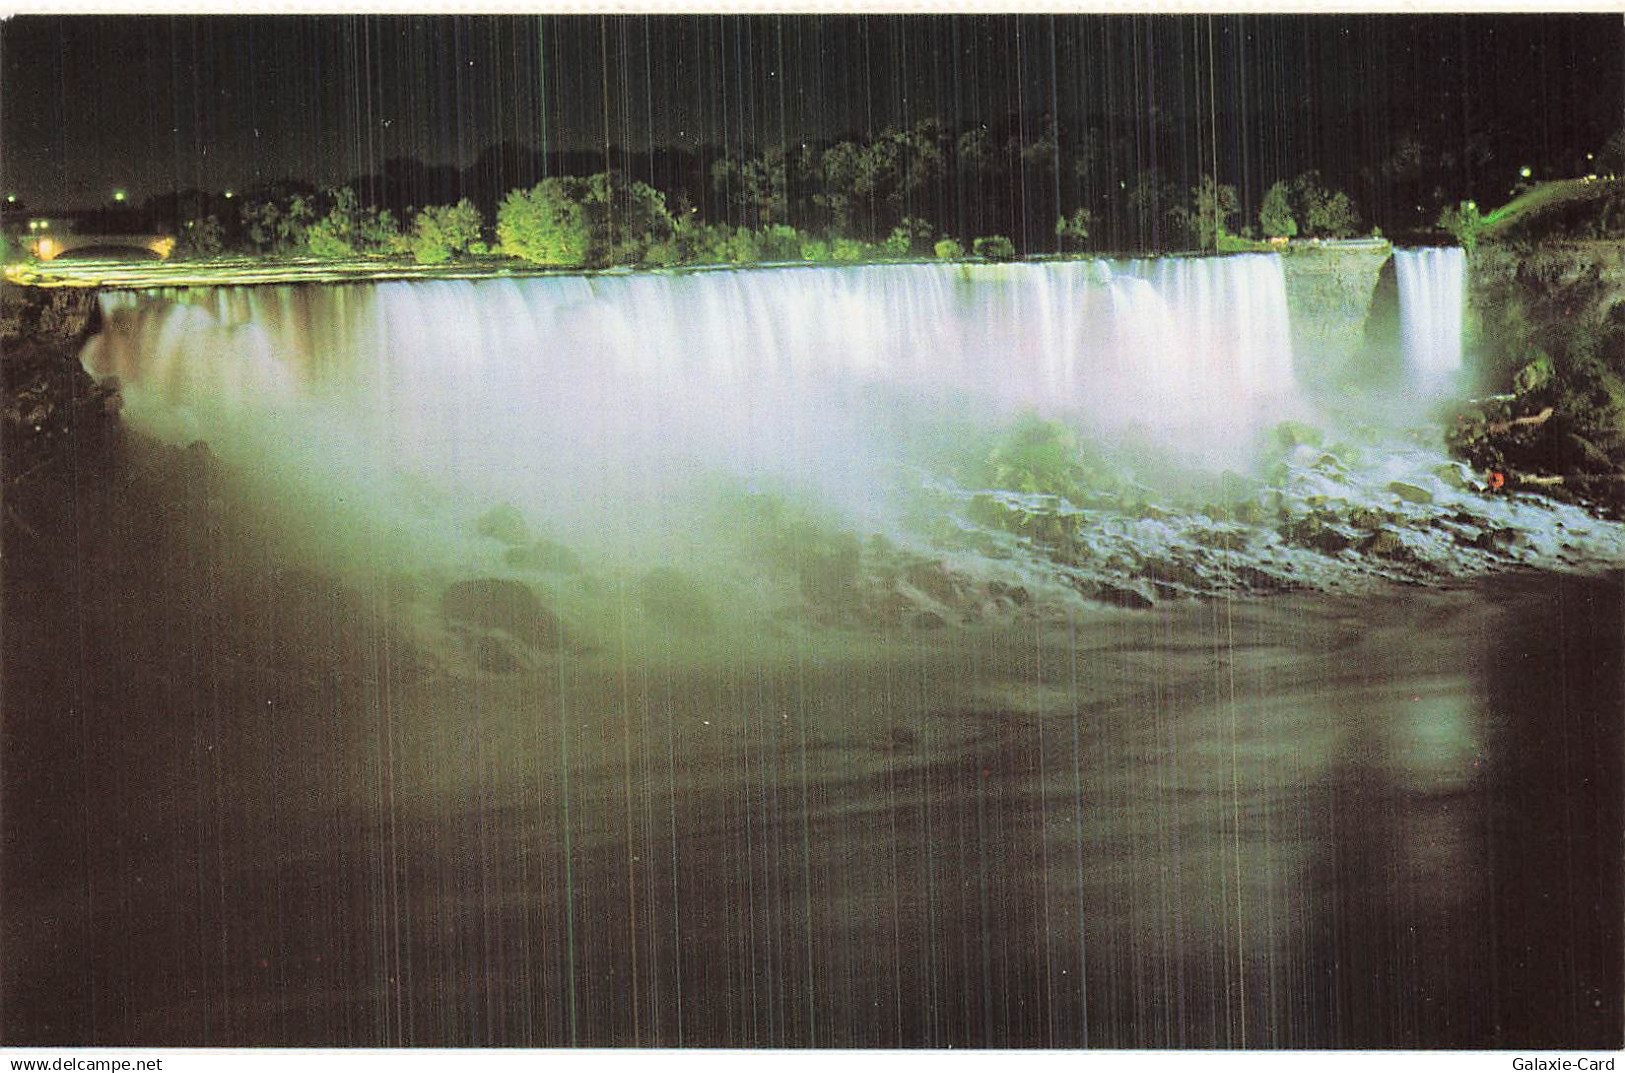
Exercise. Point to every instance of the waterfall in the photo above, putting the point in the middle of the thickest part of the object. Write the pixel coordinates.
(1432, 299)
(567, 393)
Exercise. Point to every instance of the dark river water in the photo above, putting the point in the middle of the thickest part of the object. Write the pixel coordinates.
(241, 806)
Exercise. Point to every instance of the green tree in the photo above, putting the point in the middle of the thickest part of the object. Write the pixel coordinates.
(1153, 202)
(759, 184)
(1334, 216)
(994, 248)
(626, 220)
(837, 178)
(850, 249)
(911, 236)
(1208, 215)
(1322, 212)
(279, 225)
(1275, 216)
(1073, 231)
(201, 238)
(1463, 221)
(347, 229)
(441, 232)
(546, 224)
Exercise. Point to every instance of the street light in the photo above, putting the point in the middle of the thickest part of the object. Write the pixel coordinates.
(230, 194)
(1525, 171)
(118, 195)
(11, 199)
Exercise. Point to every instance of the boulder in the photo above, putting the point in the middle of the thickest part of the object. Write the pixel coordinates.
(674, 601)
(935, 580)
(500, 604)
(1016, 594)
(543, 555)
(1122, 596)
(1312, 532)
(1386, 544)
(1410, 493)
(504, 524)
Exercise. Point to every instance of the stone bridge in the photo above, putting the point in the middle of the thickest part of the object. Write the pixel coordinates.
(47, 246)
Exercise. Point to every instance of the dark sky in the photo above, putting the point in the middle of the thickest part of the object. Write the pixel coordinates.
(162, 103)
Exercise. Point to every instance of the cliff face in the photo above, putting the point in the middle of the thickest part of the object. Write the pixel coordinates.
(1548, 323)
(43, 389)
(1331, 293)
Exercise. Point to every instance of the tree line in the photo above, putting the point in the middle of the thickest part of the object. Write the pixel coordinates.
(1026, 185)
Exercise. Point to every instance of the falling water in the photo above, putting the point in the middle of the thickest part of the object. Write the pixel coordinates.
(601, 401)
(1431, 301)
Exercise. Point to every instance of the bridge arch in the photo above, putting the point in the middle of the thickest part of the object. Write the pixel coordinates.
(48, 247)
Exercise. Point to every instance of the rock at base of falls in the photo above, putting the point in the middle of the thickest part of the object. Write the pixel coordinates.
(505, 525)
(500, 604)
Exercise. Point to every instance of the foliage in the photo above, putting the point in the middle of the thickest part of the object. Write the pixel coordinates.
(545, 225)
(603, 219)
(279, 225)
(1208, 215)
(815, 250)
(758, 184)
(441, 232)
(1229, 243)
(324, 240)
(865, 189)
(1322, 213)
(949, 250)
(909, 237)
(779, 242)
(348, 229)
(201, 238)
(1073, 231)
(712, 244)
(626, 219)
(1611, 160)
(1464, 223)
(1153, 202)
(1334, 216)
(1275, 215)
(694, 242)
(994, 248)
(850, 249)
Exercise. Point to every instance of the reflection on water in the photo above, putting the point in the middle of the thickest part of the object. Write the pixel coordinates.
(242, 806)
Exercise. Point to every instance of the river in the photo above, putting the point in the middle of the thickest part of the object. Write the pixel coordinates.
(243, 804)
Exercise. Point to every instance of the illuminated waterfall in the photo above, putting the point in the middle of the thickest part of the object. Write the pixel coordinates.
(1432, 298)
(562, 392)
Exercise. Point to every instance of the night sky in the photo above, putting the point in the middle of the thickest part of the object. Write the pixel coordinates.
(165, 103)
